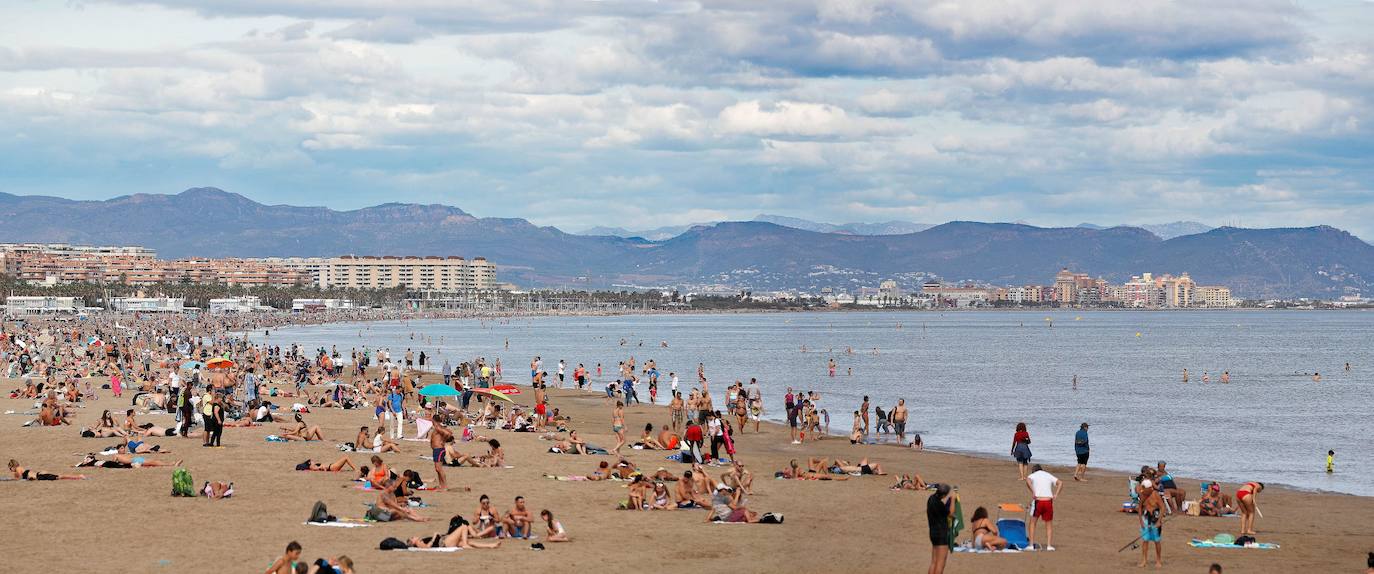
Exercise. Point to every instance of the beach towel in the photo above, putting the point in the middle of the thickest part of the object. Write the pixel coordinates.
(568, 478)
(966, 549)
(454, 549)
(422, 427)
(1195, 543)
(274, 438)
(340, 524)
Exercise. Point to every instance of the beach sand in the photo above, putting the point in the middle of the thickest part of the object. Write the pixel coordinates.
(125, 520)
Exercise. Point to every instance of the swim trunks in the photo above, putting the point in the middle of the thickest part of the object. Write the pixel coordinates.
(1044, 509)
(439, 454)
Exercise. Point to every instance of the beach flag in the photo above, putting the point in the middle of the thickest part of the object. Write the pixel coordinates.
(956, 520)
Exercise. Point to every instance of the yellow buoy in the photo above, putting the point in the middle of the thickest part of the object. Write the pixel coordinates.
(1137, 333)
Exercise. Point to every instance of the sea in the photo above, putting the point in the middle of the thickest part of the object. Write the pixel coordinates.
(968, 377)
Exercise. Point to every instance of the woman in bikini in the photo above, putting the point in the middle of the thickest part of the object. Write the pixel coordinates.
(460, 534)
(21, 473)
(985, 534)
(1245, 502)
(107, 427)
(302, 431)
(486, 518)
(618, 426)
(335, 466)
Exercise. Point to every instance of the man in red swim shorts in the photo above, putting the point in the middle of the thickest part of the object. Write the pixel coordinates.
(1045, 488)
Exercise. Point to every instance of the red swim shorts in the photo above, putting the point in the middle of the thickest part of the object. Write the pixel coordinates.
(1044, 510)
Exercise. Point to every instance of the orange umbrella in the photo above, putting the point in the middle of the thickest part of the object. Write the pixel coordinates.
(219, 363)
(507, 389)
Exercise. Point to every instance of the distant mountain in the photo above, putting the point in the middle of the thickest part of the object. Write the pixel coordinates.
(1163, 230)
(887, 228)
(656, 234)
(207, 222)
(1176, 229)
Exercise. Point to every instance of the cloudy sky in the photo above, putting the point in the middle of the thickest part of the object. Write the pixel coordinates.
(643, 113)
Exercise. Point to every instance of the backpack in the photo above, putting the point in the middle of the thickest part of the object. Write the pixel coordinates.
(182, 485)
(393, 544)
(319, 513)
(304, 465)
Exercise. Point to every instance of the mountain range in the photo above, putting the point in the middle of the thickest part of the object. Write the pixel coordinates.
(1163, 230)
(205, 222)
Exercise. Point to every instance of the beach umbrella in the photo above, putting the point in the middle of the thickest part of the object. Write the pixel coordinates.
(219, 363)
(439, 390)
(507, 389)
(192, 364)
(495, 394)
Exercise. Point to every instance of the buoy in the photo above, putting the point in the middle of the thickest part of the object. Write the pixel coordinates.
(1137, 333)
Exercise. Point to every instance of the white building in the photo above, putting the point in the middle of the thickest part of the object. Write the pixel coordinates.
(321, 304)
(148, 304)
(246, 304)
(25, 305)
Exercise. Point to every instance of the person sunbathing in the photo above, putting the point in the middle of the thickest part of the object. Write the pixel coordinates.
(602, 472)
(686, 496)
(518, 522)
(739, 477)
(495, 457)
(910, 482)
(668, 439)
(21, 473)
(388, 503)
(1214, 503)
(556, 533)
(240, 423)
(705, 485)
(727, 505)
(647, 441)
(150, 429)
(639, 493)
(123, 460)
(487, 518)
(217, 490)
(107, 427)
(335, 466)
(795, 472)
(377, 443)
(985, 534)
(264, 415)
(302, 431)
(660, 499)
(864, 467)
(461, 534)
(99, 432)
(140, 447)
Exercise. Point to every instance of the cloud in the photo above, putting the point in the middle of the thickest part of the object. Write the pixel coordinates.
(1055, 111)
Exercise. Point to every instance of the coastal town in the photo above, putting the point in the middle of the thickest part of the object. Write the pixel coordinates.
(141, 281)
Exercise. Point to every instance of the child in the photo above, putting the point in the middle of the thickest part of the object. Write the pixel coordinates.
(1330, 461)
(287, 563)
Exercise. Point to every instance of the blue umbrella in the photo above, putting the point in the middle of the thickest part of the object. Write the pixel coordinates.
(439, 390)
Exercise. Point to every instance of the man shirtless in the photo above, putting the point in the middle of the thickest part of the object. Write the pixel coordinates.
(439, 437)
(518, 520)
(899, 420)
(686, 494)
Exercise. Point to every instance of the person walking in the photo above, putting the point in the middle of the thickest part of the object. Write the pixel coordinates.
(1045, 488)
(899, 420)
(1080, 449)
(937, 517)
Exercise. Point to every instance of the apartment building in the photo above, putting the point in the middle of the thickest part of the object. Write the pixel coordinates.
(433, 273)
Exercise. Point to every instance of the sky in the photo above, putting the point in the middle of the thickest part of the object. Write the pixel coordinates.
(647, 113)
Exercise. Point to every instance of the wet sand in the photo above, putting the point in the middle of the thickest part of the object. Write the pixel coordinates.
(125, 520)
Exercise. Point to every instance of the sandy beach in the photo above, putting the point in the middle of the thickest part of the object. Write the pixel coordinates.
(125, 520)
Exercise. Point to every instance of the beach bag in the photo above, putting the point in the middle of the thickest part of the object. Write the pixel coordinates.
(304, 465)
(770, 518)
(393, 544)
(319, 513)
(182, 485)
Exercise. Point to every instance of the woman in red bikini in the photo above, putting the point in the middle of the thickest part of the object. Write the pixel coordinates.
(1245, 501)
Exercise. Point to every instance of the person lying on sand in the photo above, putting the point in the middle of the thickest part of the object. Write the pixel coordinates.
(864, 467)
(461, 534)
(794, 471)
(123, 460)
(140, 447)
(21, 473)
(335, 466)
(100, 432)
(217, 490)
(910, 482)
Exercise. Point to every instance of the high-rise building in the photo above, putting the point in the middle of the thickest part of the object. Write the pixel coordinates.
(433, 273)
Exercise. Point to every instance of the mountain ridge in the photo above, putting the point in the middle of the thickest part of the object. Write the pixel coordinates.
(208, 222)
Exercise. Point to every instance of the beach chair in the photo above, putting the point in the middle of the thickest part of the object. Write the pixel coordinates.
(1013, 528)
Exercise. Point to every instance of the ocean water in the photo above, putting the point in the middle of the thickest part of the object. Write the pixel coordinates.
(969, 377)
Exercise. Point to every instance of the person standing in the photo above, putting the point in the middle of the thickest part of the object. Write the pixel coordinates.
(448, 373)
(186, 409)
(1080, 449)
(439, 437)
(937, 517)
(1045, 488)
(1020, 449)
(217, 415)
(396, 406)
(863, 410)
(899, 420)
